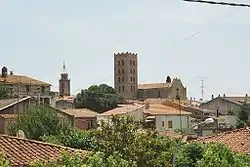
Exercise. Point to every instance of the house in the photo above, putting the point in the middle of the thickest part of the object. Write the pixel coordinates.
(9, 109)
(21, 152)
(26, 86)
(168, 118)
(226, 107)
(133, 110)
(82, 118)
(238, 140)
(65, 102)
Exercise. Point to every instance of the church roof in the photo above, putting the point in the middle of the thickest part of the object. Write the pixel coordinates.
(154, 85)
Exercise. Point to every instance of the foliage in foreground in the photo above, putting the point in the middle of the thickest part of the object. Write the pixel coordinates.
(37, 122)
(6, 92)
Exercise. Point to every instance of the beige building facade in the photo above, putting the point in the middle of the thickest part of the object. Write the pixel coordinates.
(26, 86)
(126, 81)
(169, 89)
(126, 74)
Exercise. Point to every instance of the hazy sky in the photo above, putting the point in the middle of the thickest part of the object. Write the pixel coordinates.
(180, 39)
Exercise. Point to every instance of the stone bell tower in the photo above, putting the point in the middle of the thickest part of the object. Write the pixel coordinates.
(64, 83)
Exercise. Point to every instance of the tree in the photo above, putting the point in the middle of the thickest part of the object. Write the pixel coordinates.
(124, 136)
(98, 98)
(4, 162)
(243, 117)
(216, 155)
(37, 122)
(189, 154)
(6, 92)
(73, 160)
(74, 138)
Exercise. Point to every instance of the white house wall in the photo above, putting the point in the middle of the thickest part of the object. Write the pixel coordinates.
(175, 121)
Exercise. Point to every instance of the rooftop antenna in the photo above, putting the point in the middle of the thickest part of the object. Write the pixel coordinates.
(64, 67)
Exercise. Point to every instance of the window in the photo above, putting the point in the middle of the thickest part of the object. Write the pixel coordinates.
(119, 71)
(122, 88)
(123, 71)
(118, 62)
(119, 79)
(122, 79)
(133, 62)
(170, 124)
(122, 62)
(133, 71)
(27, 88)
(131, 88)
(131, 79)
(162, 123)
(43, 89)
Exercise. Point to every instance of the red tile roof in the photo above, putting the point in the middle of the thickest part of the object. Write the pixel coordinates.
(238, 140)
(21, 152)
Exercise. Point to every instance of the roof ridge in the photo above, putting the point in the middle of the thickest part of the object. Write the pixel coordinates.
(40, 142)
(224, 133)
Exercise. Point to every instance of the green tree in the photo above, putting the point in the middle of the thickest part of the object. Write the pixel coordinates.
(74, 138)
(73, 160)
(189, 154)
(4, 162)
(243, 116)
(37, 122)
(6, 92)
(216, 155)
(124, 136)
(98, 98)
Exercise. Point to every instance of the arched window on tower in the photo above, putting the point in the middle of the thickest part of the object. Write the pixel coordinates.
(123, 71)
(119, 79)
(133, 63)
(133, 71)
(119, 71)
(122, 62)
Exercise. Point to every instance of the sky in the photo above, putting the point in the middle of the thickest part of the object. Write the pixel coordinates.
(180, 39)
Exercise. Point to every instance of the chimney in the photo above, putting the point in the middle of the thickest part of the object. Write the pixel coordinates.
(20, 134)
(224, 95)
(212, 96)
(11, 72)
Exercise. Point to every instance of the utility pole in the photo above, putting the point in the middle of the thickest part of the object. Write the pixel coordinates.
(219, 3)
(202, 89)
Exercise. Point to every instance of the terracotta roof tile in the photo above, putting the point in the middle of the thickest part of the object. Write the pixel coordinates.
(83, 112)
(18, 79)
(8, 116)
(154, 85)
(160, 109)
(122, 109)
(23, 151)
(238, 140)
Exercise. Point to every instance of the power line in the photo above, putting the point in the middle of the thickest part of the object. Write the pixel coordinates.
(219, 3)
